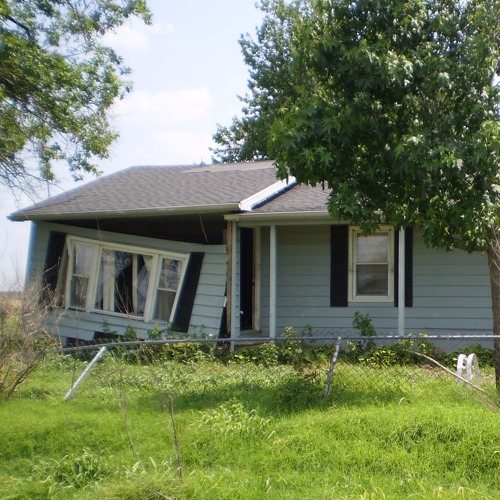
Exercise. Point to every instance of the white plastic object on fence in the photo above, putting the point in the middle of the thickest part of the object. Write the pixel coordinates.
(470, 364)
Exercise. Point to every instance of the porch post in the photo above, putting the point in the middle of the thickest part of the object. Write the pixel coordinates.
(257, 278)
(401, 282)
(235, 283)
(272, 280)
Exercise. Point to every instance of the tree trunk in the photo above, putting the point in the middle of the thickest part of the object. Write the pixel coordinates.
(494, 264)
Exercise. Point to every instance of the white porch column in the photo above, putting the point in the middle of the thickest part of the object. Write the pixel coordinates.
(235, 283)
(401, 282)
(273, 256)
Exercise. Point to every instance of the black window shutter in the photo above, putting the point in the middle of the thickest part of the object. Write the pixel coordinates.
(55, 248)
(187, 295)
(408, 268)
(339, 250)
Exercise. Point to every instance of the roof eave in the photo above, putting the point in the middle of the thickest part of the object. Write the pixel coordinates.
(213, 209)
(253, 218)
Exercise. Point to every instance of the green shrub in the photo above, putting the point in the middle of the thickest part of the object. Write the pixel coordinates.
(291, 350)
(266, 354)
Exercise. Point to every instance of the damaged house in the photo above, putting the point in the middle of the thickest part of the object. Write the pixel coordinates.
(229, 250)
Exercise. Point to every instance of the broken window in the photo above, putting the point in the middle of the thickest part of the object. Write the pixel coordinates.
(120, 280)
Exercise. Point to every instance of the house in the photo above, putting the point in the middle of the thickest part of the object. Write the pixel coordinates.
(230, 250)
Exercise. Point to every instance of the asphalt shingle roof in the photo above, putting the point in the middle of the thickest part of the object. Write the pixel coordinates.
(300, 198)
(150, 189)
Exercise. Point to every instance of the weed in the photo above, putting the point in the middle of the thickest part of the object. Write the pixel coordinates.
(24, 340)
(246, 431)
(70, 472)
(232, 418)
(291, 350)
(363, 323)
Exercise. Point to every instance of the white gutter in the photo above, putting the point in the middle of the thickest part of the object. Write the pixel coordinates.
(256, 199)
(183, 210)
(255, 219)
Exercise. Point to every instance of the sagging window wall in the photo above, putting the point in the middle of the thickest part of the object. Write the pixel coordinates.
(121, 280)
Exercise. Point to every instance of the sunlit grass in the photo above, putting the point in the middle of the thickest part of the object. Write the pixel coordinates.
(244, 431)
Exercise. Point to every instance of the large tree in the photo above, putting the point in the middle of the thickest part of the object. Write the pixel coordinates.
(392, 104)
(57, 82)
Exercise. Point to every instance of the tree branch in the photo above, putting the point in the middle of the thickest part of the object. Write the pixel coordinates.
(31, 38)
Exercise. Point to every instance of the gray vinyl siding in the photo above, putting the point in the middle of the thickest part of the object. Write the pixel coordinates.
(451, 290)
(209, 302)
(207, 307)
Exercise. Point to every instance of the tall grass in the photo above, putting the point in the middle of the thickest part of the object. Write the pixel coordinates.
(242, 431)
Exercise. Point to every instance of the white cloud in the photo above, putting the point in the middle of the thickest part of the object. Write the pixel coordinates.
(176, 107)
(128, 38)
(175, 147)
(135, 36)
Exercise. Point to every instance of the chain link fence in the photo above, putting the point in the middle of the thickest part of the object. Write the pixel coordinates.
(387, 368)
(363, 368)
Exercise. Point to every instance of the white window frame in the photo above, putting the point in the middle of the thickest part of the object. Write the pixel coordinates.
(354, 232)
(154, 276)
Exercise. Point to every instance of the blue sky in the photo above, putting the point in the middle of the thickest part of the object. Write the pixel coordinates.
(187, 70)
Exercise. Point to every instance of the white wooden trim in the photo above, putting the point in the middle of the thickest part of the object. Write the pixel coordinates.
(154, 275)
(353, 232)
(401, 282)
(273, 260)
(251, 202)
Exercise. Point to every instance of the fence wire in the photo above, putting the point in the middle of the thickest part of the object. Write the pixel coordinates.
(367, 368)
(385, 368)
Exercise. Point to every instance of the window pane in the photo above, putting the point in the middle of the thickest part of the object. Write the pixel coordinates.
(144, 264)
(168, 283)
(79, 285)
(122, 285)
(372, 279)
(164, 303)
(83, 259)
(373, 248)
(169, 274)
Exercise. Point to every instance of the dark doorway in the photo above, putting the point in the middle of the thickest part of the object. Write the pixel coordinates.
(246, 279)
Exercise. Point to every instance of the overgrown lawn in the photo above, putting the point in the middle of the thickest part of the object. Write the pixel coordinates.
(209, 430)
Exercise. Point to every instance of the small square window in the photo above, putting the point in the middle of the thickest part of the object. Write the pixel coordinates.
(371, 265)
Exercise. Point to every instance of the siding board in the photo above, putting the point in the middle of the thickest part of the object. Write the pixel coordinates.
(451, 291)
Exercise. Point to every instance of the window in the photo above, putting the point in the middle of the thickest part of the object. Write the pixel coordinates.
(82, 258)
(166, 291)
(371, 265)
(121, 280)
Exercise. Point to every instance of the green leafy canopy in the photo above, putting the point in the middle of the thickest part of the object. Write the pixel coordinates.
(393, 104)
(57, 82)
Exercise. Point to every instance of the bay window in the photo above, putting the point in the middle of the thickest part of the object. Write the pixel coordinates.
(122, 280)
